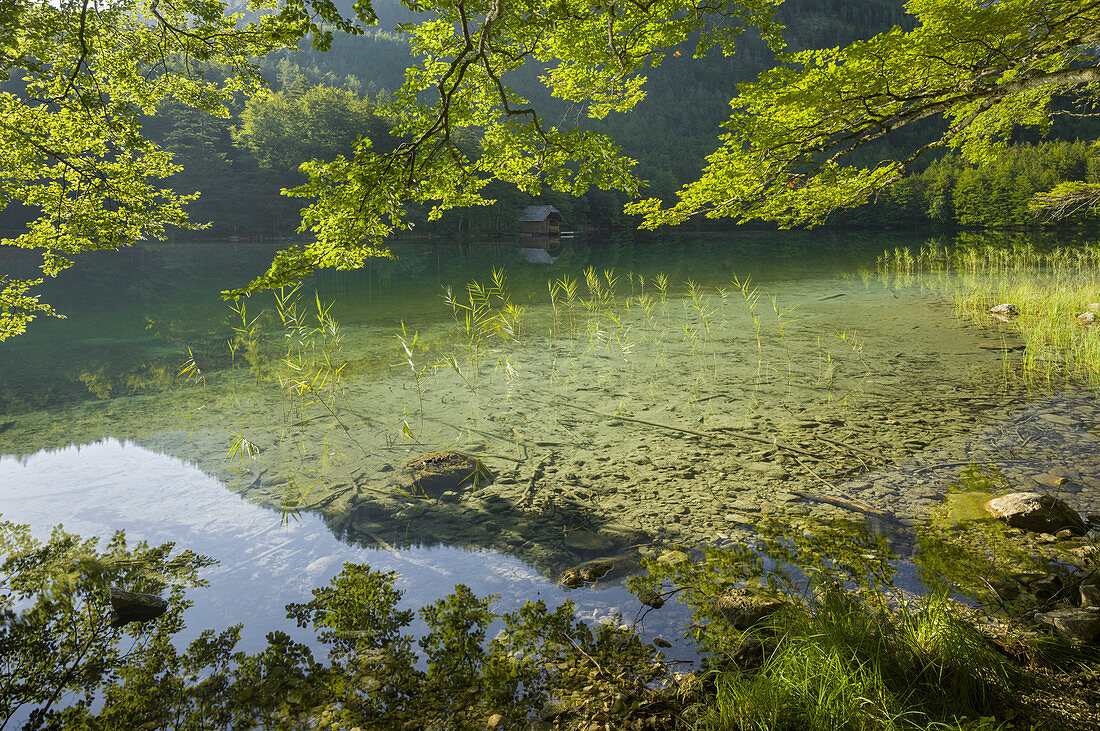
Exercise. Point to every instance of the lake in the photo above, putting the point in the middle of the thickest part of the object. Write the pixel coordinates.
(625, 396)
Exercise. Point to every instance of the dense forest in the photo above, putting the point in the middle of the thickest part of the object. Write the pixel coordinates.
(320, 103)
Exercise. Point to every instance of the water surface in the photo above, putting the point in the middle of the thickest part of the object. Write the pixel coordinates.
(671, 395)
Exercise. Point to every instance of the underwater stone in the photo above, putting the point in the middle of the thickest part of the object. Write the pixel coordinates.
(1090, 596)
(1004, 312)
(598, 568)
(439, 472)
(583, 540)
(650, 598)
(1034, 512)
(673, 557)
(130, 607)
(1004, 309)
(1006, 590)
(742, 609)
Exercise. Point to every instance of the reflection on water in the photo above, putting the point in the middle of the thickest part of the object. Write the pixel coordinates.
(540, 249)
(96, 489)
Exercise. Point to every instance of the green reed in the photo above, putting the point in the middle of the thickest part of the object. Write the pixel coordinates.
(1052, 289)
(298, 347)
(486, 312)
(420, 374)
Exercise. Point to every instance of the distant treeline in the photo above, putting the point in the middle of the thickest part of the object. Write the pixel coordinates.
(241, 164)
(952, 192)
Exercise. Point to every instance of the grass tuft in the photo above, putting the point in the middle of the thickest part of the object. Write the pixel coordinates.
(840, 663)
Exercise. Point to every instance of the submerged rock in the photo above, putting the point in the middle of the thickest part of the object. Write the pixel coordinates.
(743, 609)
(130, 607)
(1006, 308)
(1079, 625)
(1042, 586)
(1090, 595)
(439, 472)
(1006, 590)
(673, 557)
(584, 540)
(650, 598)
(1037, 513)
(597, 569)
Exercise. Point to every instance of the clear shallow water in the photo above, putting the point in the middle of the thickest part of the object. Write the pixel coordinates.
(633, 420)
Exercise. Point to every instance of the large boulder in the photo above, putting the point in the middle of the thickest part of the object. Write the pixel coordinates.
(439, 472)
(1035, 512)
(1079, 625)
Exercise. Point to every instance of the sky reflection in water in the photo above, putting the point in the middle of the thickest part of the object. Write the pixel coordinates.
(95, 489)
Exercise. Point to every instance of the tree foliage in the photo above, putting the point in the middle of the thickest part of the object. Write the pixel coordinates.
(795, 148)
(79, 75)
(983, 67)
(57, 649)
(63, 666)
(592, 55)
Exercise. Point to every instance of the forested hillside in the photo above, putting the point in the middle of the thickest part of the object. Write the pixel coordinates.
(322, 102)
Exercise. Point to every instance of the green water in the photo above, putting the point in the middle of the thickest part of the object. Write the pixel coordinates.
(665, 402)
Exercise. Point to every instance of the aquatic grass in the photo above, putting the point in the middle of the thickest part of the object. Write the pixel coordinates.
(298, 348)
(1052, 288)
(190, 369)
(1059, 343)
(751, 297)
(310, 346)
(699, 304)
(486, 312)
(783, 316)
(420, 375)
(246, 338)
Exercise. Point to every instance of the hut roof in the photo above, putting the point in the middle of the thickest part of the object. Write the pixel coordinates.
(537, 213)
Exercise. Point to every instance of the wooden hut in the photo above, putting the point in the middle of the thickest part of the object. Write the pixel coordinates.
(540, 221)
